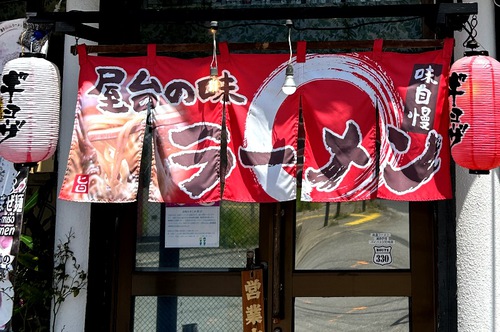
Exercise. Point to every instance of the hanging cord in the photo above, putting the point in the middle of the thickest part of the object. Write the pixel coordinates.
(214, 83)
(289, 24)
(213, 29)
(289, 85)
(495, 3)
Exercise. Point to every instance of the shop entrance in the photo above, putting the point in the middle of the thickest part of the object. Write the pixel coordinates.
(355, 266)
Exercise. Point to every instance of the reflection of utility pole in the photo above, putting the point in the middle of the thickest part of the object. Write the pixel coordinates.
(327, 212)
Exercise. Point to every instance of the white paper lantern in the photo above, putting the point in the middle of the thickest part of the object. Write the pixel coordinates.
(30, 105)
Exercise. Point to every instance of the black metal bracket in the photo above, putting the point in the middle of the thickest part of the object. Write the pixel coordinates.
(452, 16)
(443, 18)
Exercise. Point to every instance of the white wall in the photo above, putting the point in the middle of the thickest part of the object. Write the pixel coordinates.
(478, 235)
(70, 215)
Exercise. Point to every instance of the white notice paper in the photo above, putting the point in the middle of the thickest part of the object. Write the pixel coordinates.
(189, 226)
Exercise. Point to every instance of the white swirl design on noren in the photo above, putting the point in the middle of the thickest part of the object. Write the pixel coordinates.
(355, 69)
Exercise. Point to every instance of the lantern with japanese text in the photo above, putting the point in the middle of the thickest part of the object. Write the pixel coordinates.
(30, 106)
(474, 119)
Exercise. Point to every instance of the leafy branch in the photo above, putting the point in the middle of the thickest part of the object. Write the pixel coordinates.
(64, 282)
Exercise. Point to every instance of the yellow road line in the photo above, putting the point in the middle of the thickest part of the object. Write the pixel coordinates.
(311, 217)
(339, 316)
(360, 263)
(363, 219)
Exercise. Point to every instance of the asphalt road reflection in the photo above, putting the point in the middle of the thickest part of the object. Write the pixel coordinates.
(347, 243)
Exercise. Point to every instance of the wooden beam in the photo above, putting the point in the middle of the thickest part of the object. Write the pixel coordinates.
(252, 47)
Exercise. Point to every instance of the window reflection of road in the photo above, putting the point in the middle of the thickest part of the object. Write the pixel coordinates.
(387, 314)
(343, 243)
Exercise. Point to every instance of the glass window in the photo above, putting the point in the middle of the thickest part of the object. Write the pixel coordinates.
(187, 314)
(352, 235)
(352, 314)
(239, 232)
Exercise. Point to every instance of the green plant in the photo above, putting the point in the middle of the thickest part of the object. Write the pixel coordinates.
(32, 291)
(36, 293)
(239, 225)
(64, 282)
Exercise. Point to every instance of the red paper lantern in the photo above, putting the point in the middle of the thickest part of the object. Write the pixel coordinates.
(30, 106)
(474, 115)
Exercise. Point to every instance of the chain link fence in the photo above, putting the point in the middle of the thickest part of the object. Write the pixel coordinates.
(239, 232)
(193, 314)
